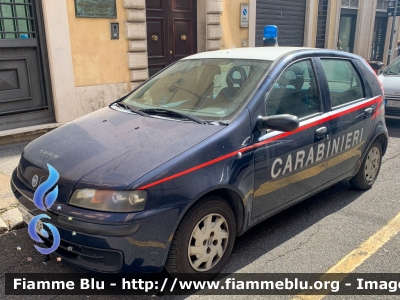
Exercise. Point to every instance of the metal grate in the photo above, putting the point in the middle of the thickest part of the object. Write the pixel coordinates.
(288, 15)
(350, 3)
(382, 5)
(321, 25)
(16, 19)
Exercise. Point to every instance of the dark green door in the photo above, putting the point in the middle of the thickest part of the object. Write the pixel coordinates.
(24, 92)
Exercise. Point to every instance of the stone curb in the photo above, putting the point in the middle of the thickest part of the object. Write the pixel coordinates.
(13, 219)
(3, 226)
(26, 133)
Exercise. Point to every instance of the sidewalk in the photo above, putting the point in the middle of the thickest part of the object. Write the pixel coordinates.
(10, 217)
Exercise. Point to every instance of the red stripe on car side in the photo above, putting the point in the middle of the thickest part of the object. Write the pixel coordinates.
(226, 156)
(333, 115)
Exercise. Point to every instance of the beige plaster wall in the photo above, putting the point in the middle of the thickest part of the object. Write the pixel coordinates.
(92, 98)
(98, 60)
(232, 33)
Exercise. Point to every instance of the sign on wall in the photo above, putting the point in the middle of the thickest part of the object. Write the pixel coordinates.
(96, 9)
(244, 15)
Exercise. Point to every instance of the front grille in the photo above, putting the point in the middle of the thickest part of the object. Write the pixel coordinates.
(25, 172)
(394, 112)
(392, 97)
(101, 260)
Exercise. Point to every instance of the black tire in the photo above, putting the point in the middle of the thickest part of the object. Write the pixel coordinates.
(180, 262)
(360, 181)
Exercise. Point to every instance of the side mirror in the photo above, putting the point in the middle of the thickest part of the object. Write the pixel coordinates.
(279, 122)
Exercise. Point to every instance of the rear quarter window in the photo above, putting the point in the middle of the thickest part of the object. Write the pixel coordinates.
(344, 82)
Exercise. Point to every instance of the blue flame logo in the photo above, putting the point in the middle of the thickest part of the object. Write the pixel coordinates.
(39, 199)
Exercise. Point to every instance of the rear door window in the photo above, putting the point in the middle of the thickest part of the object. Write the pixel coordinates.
(345, 84)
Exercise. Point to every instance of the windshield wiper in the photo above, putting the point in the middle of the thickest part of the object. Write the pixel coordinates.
(217, 123)
(390, 72)
(170, 113)
(127, 107)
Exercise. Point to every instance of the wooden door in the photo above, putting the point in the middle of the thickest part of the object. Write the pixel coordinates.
(171, 31)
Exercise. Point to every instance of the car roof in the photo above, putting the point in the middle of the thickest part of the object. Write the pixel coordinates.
(257, 53)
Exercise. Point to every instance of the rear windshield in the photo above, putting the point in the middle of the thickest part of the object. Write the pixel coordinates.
(209, 89)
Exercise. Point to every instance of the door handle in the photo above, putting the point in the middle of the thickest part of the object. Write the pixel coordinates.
(321, 131)
(368, 112)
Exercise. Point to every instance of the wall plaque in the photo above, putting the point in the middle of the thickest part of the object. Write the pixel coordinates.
(96, 9)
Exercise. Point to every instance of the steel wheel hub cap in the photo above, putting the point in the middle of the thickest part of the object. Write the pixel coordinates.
(372, 164)
(208, 242)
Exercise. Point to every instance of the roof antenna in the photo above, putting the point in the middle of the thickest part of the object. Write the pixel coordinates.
(270, 36)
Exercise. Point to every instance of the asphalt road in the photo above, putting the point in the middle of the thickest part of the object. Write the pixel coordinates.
(310, 237)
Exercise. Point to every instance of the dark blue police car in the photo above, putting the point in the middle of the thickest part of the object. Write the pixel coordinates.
(169, 175)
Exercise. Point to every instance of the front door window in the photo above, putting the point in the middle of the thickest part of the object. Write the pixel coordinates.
(295, 92)
(289, 167)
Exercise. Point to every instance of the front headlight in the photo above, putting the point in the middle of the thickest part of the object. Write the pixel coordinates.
(109, 201)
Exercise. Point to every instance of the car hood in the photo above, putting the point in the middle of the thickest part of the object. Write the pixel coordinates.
(112, 149)
(391, 84)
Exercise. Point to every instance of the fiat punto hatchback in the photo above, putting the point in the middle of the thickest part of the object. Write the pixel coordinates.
(169, 175)
(390, 79)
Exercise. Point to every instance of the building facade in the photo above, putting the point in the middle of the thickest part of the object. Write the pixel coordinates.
(357, 26)
(60, 61)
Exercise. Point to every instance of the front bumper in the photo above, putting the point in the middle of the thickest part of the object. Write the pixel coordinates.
(139, 245)
(392, 112)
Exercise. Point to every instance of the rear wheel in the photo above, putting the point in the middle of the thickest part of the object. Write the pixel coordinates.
(203, 241)
(369, 169)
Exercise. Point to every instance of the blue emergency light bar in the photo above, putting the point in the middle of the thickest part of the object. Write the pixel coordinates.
(270, 36)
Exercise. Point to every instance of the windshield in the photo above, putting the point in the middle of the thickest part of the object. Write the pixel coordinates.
(393, 69)
(209, 89)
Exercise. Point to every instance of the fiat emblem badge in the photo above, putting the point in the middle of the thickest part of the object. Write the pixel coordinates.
(35, 180)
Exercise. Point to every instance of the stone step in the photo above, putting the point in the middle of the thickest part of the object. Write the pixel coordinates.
(24, 134)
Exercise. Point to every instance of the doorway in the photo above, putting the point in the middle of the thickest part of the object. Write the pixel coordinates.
(379, 38)
(288, 15)
(171, 31)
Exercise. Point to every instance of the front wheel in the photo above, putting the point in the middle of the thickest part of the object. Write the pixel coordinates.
(203, 241)
(369, 169)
